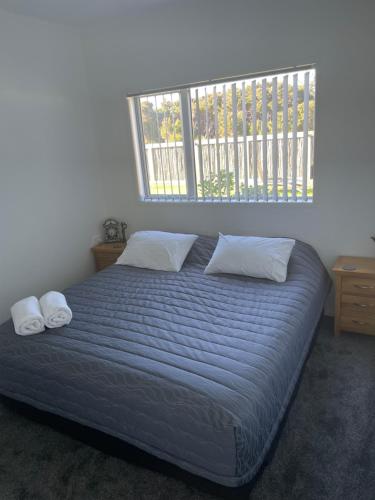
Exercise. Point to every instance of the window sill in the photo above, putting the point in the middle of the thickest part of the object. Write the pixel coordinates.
(309, 202)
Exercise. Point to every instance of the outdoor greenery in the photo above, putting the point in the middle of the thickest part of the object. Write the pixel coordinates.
(164, 123)
(216, 189)
(217, 185)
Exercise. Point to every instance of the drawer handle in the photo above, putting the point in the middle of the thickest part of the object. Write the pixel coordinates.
(362, 323)
(363, 305)
(365, 287)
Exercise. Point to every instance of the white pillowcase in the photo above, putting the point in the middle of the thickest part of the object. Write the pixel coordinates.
(252, 256)
(157, 250)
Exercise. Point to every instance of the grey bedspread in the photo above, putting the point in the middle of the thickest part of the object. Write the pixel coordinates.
(195, 369)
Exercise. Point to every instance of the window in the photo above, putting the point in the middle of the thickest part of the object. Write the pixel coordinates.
(247, 139)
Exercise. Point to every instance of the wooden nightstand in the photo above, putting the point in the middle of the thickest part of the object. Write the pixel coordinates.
(106, 254)
(355, 295)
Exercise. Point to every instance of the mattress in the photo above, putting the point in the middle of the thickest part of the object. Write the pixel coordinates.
(195, 369)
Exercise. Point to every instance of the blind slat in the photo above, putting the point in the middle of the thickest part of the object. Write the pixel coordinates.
(285, 137)
(208, 143)
(235, 141)
(156, 177)
(175, 151)
(244, 134)
(294, 137)
(226, 140)
(217, 152)
(200, 156)
(305, 133)
(275, 153)
(264, 139)
(255, 143)
(167, 151)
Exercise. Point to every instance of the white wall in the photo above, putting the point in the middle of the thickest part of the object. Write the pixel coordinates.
(49, 180)
(201, 40)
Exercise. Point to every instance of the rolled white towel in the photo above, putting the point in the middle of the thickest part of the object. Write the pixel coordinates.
(27, 316)
(55, 310)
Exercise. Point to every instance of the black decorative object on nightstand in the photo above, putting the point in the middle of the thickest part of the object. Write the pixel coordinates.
(114, 231)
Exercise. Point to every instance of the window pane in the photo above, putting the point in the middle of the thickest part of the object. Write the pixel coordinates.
(164, 148)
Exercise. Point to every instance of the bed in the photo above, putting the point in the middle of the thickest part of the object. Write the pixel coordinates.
(195, 369)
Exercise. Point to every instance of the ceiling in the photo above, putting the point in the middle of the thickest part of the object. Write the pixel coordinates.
(78, 11)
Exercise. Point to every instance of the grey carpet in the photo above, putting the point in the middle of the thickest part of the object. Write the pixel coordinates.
(326, 449)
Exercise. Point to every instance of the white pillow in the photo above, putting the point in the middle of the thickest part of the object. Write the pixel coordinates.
(251, 256)
(157, 250)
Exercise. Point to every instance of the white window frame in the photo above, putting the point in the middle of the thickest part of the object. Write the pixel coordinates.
(261, 195)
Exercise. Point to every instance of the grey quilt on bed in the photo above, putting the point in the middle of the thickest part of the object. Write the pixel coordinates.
(195, 369)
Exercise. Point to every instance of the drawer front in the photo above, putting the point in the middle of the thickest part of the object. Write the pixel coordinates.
(358, 305)
(359, 325)
(358, 286)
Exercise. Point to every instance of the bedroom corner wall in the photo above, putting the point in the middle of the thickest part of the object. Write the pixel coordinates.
(50, 203)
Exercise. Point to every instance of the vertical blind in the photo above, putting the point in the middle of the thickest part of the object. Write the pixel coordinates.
(249, 139)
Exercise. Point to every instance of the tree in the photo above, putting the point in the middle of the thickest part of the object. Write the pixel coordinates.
(164, 123)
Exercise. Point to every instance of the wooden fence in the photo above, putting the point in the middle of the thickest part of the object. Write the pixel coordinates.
(167, 159)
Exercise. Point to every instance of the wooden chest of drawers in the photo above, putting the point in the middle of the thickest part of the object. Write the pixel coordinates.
(355, 295)
(106, 254)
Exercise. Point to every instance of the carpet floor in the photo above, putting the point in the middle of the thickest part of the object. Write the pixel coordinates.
(326, 449)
